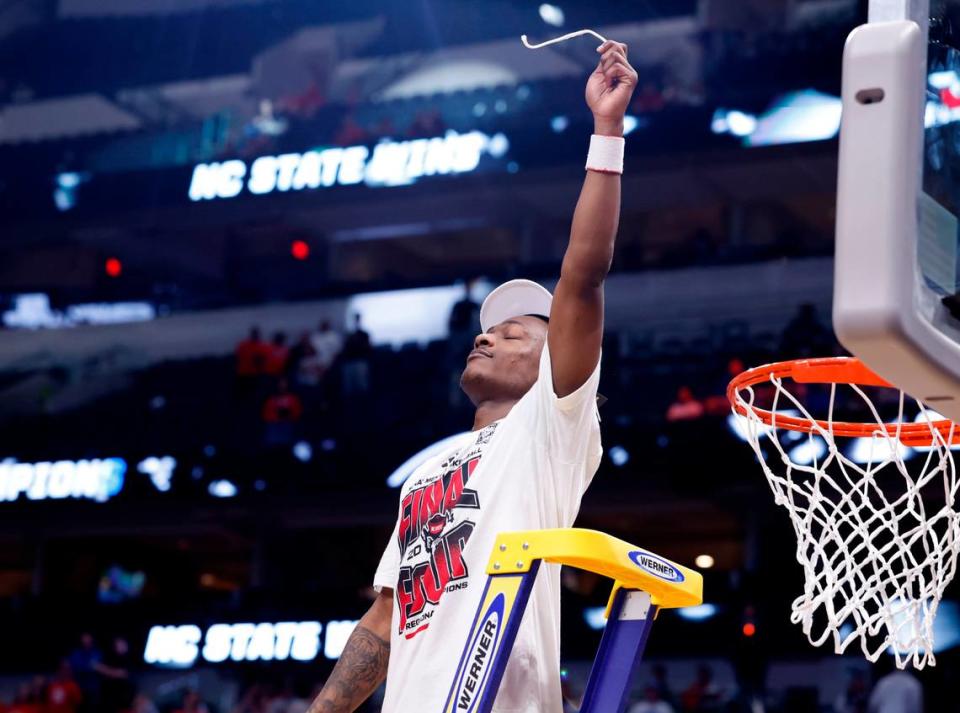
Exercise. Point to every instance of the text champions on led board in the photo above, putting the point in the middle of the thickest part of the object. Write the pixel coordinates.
(98, 479)
(390, 163)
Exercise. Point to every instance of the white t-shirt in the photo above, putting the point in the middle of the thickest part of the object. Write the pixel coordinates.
(327, 345)
(526, 471)
(897, 692)
(651, 707)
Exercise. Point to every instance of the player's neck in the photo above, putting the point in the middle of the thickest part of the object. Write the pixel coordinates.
(490, 411)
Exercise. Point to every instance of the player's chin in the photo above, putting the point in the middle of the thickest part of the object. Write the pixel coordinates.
(475, 370)
(473, 367)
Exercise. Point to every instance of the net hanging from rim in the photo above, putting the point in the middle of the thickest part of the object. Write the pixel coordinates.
(877, 537)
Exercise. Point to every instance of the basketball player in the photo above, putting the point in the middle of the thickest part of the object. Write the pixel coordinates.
(533, 450)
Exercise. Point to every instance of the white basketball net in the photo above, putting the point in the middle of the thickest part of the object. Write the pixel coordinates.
(878, 541)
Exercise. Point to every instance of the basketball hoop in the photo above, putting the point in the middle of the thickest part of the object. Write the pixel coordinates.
(877, 538)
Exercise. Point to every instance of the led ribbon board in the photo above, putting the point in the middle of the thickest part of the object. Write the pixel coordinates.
(180, 646)
(390, 163)
(97, 479)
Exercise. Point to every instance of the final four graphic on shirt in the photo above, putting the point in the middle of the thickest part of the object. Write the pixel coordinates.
(437, 517)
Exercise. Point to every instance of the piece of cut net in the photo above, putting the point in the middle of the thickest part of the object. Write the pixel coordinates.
(878, 542)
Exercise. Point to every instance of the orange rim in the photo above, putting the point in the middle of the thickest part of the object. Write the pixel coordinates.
(831, 370)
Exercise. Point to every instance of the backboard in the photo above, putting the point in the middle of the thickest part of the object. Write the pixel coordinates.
(896, 286)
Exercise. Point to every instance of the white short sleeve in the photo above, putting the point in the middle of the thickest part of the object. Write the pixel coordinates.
(388, 571)
(567, 425)
(567, 433)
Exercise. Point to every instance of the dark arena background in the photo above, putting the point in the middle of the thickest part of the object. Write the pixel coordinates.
(242, 248)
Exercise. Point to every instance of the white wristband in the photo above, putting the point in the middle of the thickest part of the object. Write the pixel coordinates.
(606, 154)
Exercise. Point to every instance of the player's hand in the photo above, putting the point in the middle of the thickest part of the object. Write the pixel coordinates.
(610, 87)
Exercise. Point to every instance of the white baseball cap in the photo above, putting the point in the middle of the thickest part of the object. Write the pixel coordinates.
(514, 299)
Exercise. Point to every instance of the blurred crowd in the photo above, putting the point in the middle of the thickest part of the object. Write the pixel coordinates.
(326, 372)
(275, 378)
(804, 337)
(268, 698)
(887, 690)
(702, 695)
(353, 123)
(90, 679)
(892, 691)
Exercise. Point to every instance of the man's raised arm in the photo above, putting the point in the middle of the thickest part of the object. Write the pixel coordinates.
(363, 663)
(576, 317)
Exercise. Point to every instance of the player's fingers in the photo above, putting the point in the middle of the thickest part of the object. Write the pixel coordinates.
(605, 46)
(610, 43)
(616, 65)
(620, 70)
(612, 56)
(613, 52)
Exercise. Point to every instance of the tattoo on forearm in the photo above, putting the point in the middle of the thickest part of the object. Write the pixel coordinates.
(361, 668)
